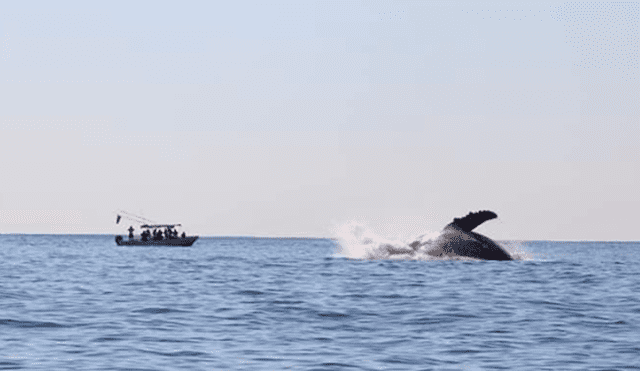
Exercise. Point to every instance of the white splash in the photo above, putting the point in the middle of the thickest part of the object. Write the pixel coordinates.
(516, 249)
(357, 241)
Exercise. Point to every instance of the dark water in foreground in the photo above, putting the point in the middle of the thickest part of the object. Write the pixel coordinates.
(82, 303)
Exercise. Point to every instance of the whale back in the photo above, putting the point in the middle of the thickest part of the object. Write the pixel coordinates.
(458, 240)
(454, 241)
(472, 220)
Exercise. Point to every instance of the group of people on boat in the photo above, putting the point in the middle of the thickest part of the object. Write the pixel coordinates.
(157, 234)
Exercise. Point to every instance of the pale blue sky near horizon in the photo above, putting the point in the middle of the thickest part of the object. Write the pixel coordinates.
(289, 118)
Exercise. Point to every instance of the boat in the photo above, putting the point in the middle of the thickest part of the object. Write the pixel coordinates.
(154, 234)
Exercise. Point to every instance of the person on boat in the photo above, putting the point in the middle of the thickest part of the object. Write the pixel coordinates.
(183, 235)
(160, 235)
(131, 232)
(145, 235)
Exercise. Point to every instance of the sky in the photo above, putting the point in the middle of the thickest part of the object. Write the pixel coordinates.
(291, 118)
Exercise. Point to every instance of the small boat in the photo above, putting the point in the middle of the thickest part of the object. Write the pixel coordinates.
(154, 234)
(180, 241)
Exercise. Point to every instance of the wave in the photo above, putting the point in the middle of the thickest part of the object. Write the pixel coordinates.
(28, 324)
(154, 310)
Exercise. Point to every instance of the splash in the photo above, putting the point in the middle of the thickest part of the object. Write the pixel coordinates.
(516, 249)
(357, 241)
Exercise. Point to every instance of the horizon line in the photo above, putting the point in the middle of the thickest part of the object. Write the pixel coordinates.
(199, 236)
(285, 237)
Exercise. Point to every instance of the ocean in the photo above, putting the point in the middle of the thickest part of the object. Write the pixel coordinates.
(79, 302)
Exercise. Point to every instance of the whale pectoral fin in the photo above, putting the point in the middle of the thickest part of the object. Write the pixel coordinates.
(472, 220)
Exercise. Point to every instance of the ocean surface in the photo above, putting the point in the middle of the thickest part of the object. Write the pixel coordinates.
(83, 303)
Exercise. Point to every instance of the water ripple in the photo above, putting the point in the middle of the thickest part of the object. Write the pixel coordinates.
(30, 324)
(78, 302)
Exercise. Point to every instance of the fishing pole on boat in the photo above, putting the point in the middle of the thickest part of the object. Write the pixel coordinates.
(120, 217)
(133, 217)
(137, 216)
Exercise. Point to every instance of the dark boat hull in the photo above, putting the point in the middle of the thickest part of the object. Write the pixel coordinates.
(187, 241)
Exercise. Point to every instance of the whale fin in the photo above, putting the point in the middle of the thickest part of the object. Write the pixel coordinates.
(472, 220)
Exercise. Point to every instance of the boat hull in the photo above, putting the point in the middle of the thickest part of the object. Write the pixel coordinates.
(187, 241)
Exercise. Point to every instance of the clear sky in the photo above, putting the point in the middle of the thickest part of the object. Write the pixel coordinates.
(289, 118)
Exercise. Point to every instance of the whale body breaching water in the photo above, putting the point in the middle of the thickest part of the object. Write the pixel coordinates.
(456, 241)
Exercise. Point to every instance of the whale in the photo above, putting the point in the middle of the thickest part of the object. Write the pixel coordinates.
(457, 239)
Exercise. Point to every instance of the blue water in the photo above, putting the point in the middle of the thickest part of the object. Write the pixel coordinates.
(83, 303)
